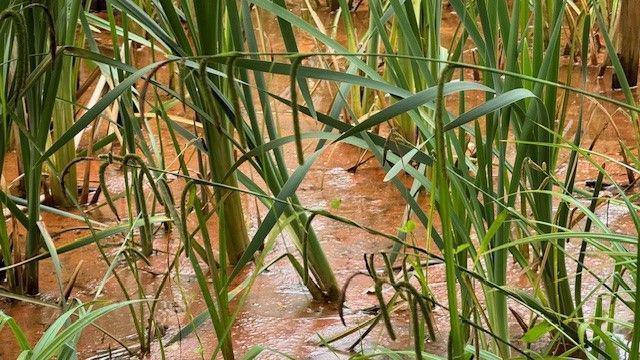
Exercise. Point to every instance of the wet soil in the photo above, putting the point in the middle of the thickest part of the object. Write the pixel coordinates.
(279, 313)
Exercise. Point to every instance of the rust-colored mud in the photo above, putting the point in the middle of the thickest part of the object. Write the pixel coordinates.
(279, 313)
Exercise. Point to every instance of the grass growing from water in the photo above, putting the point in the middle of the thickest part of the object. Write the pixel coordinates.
(490, 171)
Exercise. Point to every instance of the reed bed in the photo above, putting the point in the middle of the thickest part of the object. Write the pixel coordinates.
(482, 132)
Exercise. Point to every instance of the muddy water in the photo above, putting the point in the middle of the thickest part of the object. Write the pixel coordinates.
(279, 313)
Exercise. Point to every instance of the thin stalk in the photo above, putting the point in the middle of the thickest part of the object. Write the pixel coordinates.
(456, 339)
(233, 231)
(63, 112)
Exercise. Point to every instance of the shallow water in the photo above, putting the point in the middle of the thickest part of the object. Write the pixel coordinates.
(279, 313)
